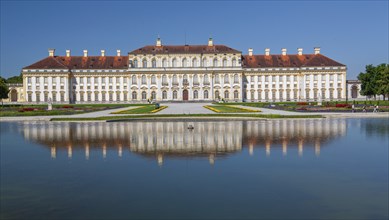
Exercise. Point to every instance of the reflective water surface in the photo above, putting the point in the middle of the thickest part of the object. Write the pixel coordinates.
(282, 169)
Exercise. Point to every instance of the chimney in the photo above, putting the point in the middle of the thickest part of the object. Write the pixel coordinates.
(283, 50)
(51, 52)
(250, 52)
(300, 51)
(102, 53)
(317, 50)
(67, 53)
(118, 53)
(267, 51)
(159, 42)
(210, 42)
(85, 53)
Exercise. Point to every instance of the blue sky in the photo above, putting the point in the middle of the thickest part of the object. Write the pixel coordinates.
(354, 33)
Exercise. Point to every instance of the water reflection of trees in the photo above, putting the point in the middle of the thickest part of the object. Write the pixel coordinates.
(173, 139)
(376, 127)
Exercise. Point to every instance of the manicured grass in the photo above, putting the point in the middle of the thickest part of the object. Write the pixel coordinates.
(228, 109)
(63, 109)
(141, 110)
(268, 116)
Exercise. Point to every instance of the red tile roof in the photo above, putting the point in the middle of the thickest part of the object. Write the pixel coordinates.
(80, 62)
(179, 49)
(294, 60)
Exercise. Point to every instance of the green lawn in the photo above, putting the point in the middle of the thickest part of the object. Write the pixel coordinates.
(228, 109)
(63, 109)
(269, 116)
(141, 110)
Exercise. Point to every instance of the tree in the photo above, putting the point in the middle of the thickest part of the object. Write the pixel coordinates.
(15, 79)
(383, 80)
(373, 80)
(3, 90)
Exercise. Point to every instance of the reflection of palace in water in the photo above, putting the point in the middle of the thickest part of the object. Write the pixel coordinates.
(174, 139)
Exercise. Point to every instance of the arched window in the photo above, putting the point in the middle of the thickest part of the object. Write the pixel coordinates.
(224, 62)
(135, 63)
(164, 63)
(154, 63)
(204, 63)
(185, 79)
(226, 94)
(134, 95)
(236, 94)
(217, 95)
(184, 62)
(195, 94)
(153, 79)
(234, 62)
(206, 94)
(217, 78)
(164, 94)
(226, 78)
(144, 63)
(195, 79)
(194, 62)
(134, 79)
(236, 78)
(153, 95)
(174, 62)
(144, 95)
(144, 79)
(164, 80)
(174, 94)
(215, 62)
(175, 80)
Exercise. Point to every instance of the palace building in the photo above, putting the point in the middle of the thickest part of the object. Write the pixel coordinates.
(208, 72)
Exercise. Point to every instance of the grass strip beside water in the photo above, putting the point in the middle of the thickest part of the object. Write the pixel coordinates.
(141, 110)
(267, 116)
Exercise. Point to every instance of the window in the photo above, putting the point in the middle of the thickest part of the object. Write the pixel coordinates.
(103, 80)
(46, 97)
(54, 97)
(82, 96)
(236, 94)
(164, 80)
(185, 79)
(251, 79)
(184, 62)
(273, 95)
(226, 94)
(206, 79)
(89, 97)
(226, 80)
(174, 62)
(144, 63)
(153, 79)
(307, 94)
(174, 94)
(154, 63)
(96, 96)
(281, 95)
(110, 80)
(224, 62)
(125, 96)
(88, 80)
(110, 97)
(164, 94)
(236, 78)
(266, 78)
(217, 79)
(195, 79)
(62, 97)
(45, 80)
(315, 77)
(164, 63)
(144, 95)
(339, 93)
(103, 97)
(331, 77)
(29, 81)
(144, 79)
(274, 79)
(215, 62)
(323, 93)
(288, 78)
(133, 79)
(204, 63)
(134, 95)
(195, 94)
(175, 81)
(117, 96)
(135, 63)
(194, 62)
(217, 95)
(206, 94)
(234, 62)
(259, 95)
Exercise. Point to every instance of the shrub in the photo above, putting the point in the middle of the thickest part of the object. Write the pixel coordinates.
(302, 103)
(342, 106)
(28, 109)
(67, 106)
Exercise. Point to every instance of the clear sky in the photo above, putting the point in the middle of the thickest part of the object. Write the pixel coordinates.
(354, 33)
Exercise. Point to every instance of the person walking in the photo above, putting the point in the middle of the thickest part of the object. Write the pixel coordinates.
(353, 108)
(364, 108)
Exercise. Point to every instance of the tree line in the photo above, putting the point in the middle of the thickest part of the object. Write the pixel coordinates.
(4, 90)
(375, 80)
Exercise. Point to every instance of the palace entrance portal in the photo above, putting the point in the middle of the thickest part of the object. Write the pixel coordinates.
(185, 95)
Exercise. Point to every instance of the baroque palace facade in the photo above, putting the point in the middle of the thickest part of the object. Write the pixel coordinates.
(184, 73)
